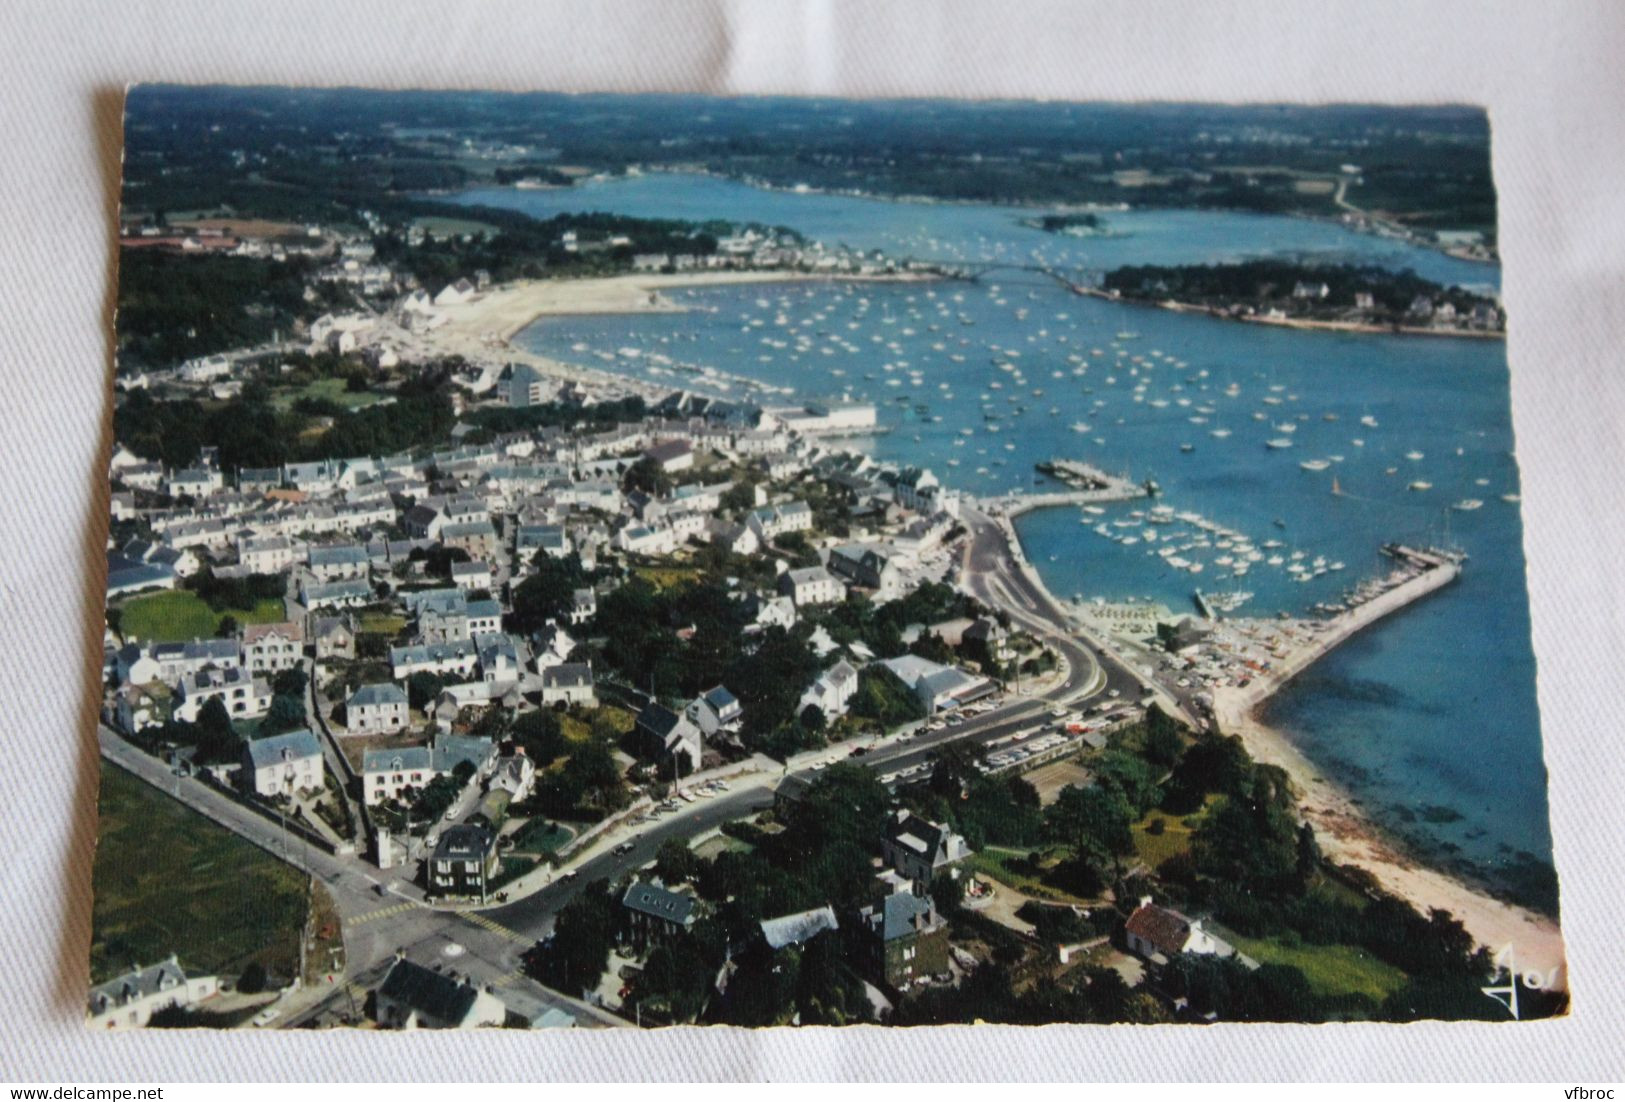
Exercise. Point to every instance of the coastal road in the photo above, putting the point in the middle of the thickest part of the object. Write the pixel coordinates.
(991, 572)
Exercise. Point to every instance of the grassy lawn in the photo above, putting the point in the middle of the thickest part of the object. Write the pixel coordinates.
(712, 848)
(995, 863)
(1175, 838)
(1330, 969)
(178, 615)
(167, 880)
(374, 623)
(665, 577)
(576, 729)
(331, 389)
(541, 836)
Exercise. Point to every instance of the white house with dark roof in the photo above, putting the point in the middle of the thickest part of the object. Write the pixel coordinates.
(138, 664)
(351, 593)
(550, 645)
(471, 575)
(268, 554)
(831, 692)
(732, 537)
(671, 455)
(666, 734)
(334, 637)
(866, 566)
(568, 683)
(243, 695)
(415, 997)
(715, 711)
(812, 585)
(772, 521)
(272, 648)
(655, 912)
(377, 709)
(938, 687)
(918, 849)
(283, 764)
(388, 774)
(339, 562)
(194, 482)
(129, 1001)
(458, 657)
(583, 605)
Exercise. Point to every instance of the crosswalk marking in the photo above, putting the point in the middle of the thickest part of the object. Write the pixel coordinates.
(494, 926)
(384, 912)
(508, 979)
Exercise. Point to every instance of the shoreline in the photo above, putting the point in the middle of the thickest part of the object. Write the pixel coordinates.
(1120, 207)
(1350, 834)
(1307, 324)
(484, 327)
(1347, 832)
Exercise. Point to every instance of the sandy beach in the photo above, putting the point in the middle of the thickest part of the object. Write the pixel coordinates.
(1347, 835)
(482, 329)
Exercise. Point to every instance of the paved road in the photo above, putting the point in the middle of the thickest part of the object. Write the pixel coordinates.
(381, 912)
(990, 572)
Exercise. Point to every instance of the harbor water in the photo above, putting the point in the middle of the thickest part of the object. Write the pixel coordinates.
(1429, 718)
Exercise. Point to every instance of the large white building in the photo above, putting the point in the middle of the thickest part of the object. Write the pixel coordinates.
(283, 764)
(376, 709)
(272, 648)
(244, 695)
(832, 691)
(130, 1000)
(811, 585)
(268, 554)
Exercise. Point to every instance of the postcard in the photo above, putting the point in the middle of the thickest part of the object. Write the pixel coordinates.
(614, 561)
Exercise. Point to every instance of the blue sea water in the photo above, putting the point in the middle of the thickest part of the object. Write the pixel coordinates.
(1429, 717)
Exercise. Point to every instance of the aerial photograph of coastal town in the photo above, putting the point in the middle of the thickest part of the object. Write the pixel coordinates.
(611, 561)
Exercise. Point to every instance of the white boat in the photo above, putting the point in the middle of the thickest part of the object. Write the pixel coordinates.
(1419, 485)
(1278, 443)
(1369, 421)
(1468, 504)
(1511, 499)
(1414, 457)
(1315, 464)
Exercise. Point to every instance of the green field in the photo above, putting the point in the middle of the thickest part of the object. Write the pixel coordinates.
(377, 623)
(178, 615)
(167, 880)
(1175, 838)
(541, 836)
(331, 389)
(994, 863)
(1330, 969)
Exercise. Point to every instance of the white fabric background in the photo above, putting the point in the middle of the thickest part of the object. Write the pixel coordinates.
(1547, 71)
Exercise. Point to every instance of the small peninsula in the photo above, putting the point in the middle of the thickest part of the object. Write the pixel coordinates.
(1317, 296)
